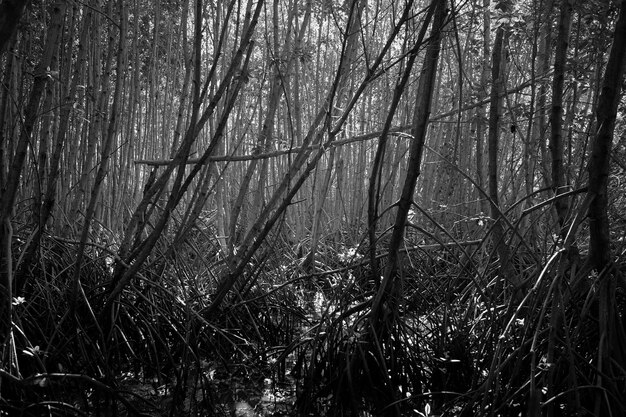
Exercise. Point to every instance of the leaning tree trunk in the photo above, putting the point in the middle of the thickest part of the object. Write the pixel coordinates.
(299, 170)
(387, 299)
(264, 140)
(418, 131)
(134, 250)
(9, 190)
(374, 188)
(30, 254)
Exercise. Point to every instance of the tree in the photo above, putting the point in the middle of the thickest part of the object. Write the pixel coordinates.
(498, 64)
(556, 138)
(136, 250)
(599, 245)
(385, 305)
(9, 190)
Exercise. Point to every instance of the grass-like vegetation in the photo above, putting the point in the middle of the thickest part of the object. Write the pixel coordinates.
(456, 341)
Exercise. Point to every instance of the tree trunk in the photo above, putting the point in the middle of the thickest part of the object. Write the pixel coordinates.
(498, 236)
(135, 250)
(30, 252)
(556, 115)
(375, 180)
(385, 304)
(480, 112)
(353, 34)
(536, 125)
(99, 104)
(418, 131)
(299, 170)
(599, 244)
(106, 147)
(9, 190)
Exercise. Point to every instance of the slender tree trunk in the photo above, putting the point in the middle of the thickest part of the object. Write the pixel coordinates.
(264, 140)
(599, 244)
(374, 189)
(556, 115)
(40, 170)
(300, 169)
(99, 104)
(388, 297)
(350, 53)
(418, 131)
(30, 253)
(536, 125)
(136, 251)
(6, 94)
(112, 128)
(319, 210)
(196, 205)
(543, 58)
(498, 64)
(480, 111)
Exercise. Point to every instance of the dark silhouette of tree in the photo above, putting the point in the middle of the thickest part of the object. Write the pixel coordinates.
(599, 245)
(10, 14)
(556, 115)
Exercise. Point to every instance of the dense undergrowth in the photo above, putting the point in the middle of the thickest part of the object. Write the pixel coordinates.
(290, 341)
